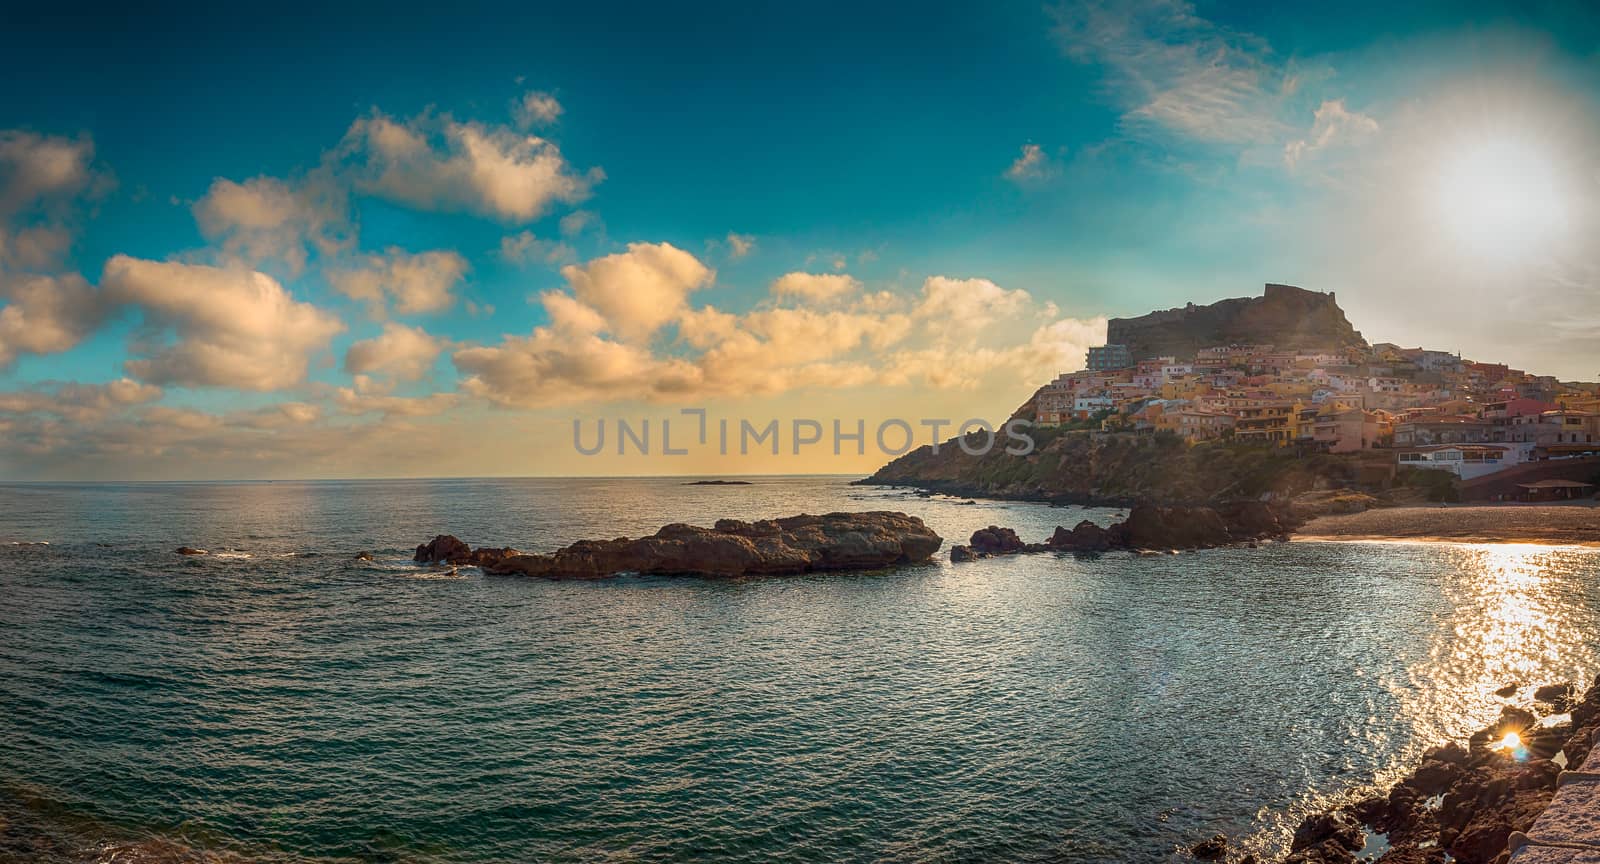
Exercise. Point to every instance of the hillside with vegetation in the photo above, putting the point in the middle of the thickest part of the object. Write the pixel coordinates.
(1080, 466)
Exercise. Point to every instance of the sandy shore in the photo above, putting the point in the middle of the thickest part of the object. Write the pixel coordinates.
(1575, 523)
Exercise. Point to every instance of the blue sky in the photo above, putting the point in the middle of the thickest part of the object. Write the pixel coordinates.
(1178, 152)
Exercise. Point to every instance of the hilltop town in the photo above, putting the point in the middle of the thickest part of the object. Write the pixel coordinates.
(1300, 388)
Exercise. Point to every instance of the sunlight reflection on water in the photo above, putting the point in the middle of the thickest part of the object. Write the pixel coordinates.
(1514, 617)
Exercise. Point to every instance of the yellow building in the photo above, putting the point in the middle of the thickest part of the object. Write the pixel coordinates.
(1274, 423)
(1185, 387)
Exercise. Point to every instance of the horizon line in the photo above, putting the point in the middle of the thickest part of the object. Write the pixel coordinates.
(10, 482)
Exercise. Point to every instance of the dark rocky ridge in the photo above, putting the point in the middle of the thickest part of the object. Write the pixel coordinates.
(1148, 527)
(446, 549)
(771, 547)
(1115, 470)
(1284, 316)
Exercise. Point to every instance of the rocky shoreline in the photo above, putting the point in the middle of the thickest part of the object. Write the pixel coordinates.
(1462, 803)
(927, 488)
(1149, 527)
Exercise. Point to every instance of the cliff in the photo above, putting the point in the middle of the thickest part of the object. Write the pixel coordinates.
(1284, 316)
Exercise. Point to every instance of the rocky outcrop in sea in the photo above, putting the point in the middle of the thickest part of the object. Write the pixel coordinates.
(1148, 526)
(446, 549)
(769, 547)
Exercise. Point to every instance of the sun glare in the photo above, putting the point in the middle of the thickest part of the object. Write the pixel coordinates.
(1500, 197)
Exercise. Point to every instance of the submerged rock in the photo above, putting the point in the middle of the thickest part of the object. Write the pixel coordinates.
(797, 544)
(190, 550)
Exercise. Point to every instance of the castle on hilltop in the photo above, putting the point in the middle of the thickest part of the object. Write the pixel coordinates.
(1284, 316)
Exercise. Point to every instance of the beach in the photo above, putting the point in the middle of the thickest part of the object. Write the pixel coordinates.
(1576, 523)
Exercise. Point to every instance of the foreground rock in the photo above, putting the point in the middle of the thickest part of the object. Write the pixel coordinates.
(1462, 801)
(797, 544)
(1212, 849)
(446, 549)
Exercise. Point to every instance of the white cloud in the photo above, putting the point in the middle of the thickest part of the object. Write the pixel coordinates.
(354, 402)
(34, 247)
(640, 290)
(952, 335)
(815, 287)
(42, 179)
(740, 245)
(416, 283)
(1177, 72)
(280, 416)
(46, 314)
(291, 439)
(570, 316)
(961, 308)
(38, 170)
(79, 403)
(402, 353)
(435, 162)
(265, 218)
(1334, 126)
(536, 108)
(229, 327)
(554, 368)
(578, 221)
(524, 248)
(1031, 166)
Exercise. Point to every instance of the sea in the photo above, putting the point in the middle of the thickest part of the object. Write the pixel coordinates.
(280, 700)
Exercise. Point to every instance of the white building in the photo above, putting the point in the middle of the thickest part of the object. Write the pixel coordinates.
(1464, 460)
(1087, 405)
